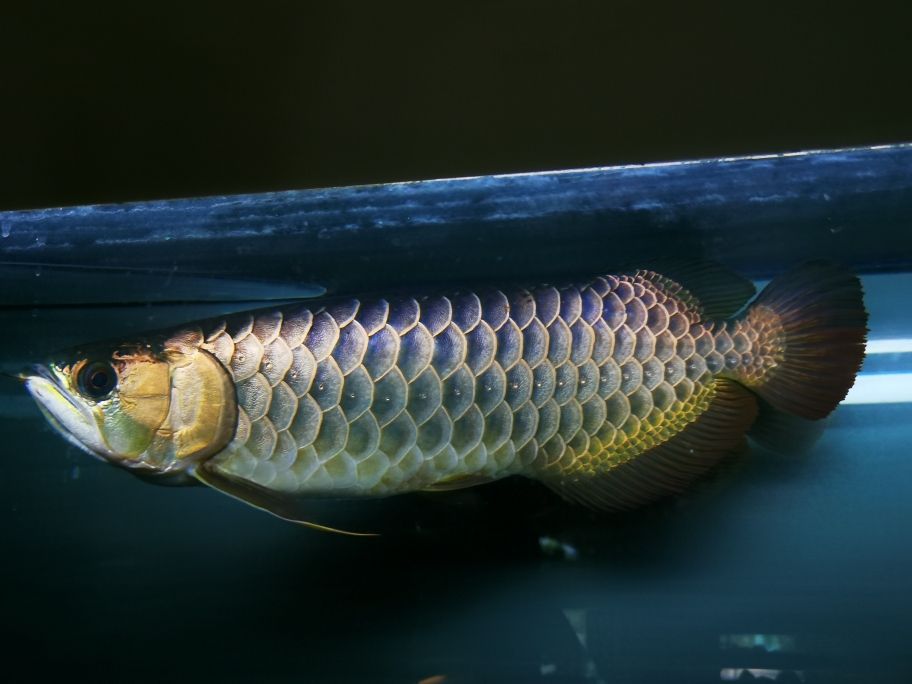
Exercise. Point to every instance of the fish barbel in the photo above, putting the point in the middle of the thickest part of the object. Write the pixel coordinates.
(613, 392)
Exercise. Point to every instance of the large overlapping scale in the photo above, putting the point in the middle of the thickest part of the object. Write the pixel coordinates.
(383, 396)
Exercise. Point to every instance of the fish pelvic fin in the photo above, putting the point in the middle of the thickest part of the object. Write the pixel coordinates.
(460, 482)
(810, 326)
(716, 436)
(281, 506)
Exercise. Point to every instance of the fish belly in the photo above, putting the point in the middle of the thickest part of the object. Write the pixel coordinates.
(380, 396)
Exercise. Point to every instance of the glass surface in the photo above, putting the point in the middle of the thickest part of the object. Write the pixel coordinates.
(792, 563)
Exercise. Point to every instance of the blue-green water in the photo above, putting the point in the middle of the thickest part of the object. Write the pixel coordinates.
(793, 563)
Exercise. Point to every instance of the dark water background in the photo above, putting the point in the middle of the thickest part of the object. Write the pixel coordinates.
(106, 578)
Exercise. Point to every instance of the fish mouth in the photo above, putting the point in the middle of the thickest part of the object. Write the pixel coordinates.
(45, 373)
(72, 420)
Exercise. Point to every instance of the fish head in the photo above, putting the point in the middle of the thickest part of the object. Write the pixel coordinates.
(157, 407)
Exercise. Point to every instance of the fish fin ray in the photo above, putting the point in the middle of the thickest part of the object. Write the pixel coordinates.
(818, 312)
(670, 467)
(718, 291)
(458, 482)
(261, 498)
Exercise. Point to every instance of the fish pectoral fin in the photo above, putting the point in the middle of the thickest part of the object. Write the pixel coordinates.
(674, 465)
(259, 497)
(457, 482)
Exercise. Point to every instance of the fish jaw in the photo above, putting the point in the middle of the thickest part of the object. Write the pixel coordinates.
(74, 422)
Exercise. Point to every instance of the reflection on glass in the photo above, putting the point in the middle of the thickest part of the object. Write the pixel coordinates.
(771, 643)
(750, 674)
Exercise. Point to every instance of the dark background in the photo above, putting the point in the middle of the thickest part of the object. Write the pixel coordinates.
(111, 101)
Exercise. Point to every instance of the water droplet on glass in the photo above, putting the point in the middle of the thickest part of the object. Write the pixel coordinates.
(6, 228)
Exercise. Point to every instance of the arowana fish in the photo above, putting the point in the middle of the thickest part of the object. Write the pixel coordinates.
(614, 392)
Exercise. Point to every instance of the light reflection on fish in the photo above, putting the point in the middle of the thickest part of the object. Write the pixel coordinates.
(614, 392)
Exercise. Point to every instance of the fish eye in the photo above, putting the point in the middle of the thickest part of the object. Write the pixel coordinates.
(97, 379)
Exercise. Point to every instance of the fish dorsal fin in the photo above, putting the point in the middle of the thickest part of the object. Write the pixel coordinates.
(259, 497)
(718, 291)
(458, 482)
(672, 466)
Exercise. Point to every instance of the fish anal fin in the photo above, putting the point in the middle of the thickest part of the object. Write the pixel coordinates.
(458, 482)
(719, 291)
(674, 465)
(784, 432)
(279, 505)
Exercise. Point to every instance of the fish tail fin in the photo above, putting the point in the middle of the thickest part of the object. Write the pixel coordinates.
(810, 326)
